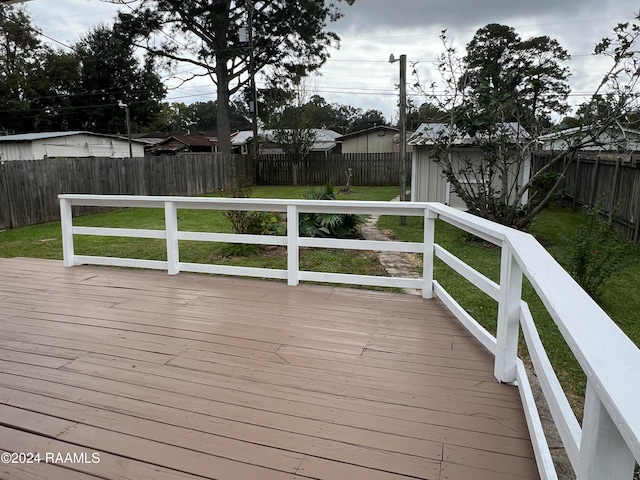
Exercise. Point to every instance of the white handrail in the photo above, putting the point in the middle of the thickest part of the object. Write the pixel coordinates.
(608, 444)
(292, 240)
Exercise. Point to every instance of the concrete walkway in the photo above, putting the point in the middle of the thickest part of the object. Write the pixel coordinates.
(397, 264)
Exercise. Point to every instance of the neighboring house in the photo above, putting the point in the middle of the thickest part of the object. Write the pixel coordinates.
(614, 139)
(184, 144)
(326, 141)
(37, 146)
(379, 139)
(428, 182)
(396, 143)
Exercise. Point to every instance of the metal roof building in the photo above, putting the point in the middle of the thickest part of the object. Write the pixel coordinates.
(76, 144)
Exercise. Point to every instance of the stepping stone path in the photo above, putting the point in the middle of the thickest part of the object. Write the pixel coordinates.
(397, 264)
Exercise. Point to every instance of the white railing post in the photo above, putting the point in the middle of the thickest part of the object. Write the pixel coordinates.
(173, 246)
(293, 245)
(66, 225)
(603, 451)
(427, 253)
(505, 369)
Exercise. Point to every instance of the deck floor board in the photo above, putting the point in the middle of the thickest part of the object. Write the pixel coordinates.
(196, 376)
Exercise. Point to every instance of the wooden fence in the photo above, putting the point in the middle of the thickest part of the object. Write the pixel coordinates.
(368, 169)
(29, 188)
(592, 177)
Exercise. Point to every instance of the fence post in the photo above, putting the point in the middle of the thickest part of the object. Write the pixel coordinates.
(427, 254)
(508, 317)
(603, 451)
(66, 223)
(293, 245)
(173, 246)
(576, 178)
(594, 183)
(614, 187)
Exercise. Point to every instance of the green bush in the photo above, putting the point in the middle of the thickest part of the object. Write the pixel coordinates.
(328, 224)
(252, 223)
(598, 251)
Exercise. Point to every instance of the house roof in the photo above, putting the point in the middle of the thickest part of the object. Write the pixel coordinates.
(396, 137)
(429, 133)
(30, 137)
(324, 139)
(612, 139)
(567, 132)
(195, 140)
(242, 137)
(368, 130)
(178, 142)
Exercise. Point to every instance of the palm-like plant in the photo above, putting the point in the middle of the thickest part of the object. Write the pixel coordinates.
(328, 224)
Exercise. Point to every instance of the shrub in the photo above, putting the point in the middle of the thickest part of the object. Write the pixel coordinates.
(328, 224)
(598, 251)
(252, 223)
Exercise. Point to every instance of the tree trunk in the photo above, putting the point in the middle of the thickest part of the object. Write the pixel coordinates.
(222, 82)
(223, 118)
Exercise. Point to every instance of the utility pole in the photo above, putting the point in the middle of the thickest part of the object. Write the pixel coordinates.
(121, 104)
(403, 127)
(402, 124)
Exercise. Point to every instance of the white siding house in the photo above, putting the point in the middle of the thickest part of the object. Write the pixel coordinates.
(429, 183)
(38, 146)
(614, 139)
(325, 141)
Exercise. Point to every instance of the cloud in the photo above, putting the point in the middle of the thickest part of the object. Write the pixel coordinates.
(359, 74)
(377, 15)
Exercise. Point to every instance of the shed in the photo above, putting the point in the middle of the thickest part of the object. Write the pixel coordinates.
(38, 146)
(429, 183)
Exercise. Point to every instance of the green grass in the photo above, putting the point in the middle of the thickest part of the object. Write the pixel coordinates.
(45, 241)
(554, 229)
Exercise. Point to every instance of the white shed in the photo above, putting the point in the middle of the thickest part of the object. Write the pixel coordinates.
(38, 146)
(429, 183)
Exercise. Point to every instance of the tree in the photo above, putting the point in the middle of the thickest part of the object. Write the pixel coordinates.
(289, 40)
(46, 89)
(196, 117)
(361, 120)
(426, 113)
(317, 112)
(101, 53)
(509, 79)
(172, 117)
(52, 106)
(325, 115)
(293, 125)
(20, 68)
(501, 96)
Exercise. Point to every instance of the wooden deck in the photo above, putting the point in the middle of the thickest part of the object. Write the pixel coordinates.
(193, 376)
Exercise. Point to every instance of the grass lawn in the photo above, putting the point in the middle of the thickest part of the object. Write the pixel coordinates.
(45, 241)
(554, 229)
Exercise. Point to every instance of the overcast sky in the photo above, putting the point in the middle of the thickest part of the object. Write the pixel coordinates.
(359, 73)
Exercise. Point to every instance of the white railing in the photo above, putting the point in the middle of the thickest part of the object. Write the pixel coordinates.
(608, 443)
